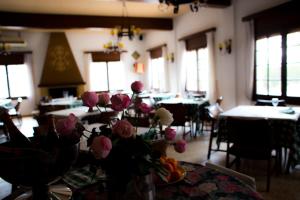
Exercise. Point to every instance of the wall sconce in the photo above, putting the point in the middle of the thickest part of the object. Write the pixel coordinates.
(225, 46)
(170, 57)
(139, 68)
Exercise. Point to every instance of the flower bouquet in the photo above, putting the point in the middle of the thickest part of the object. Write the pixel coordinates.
(122, 153)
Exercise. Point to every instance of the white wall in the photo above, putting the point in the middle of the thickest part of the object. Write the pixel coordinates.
(79, 41)
(191, 23)
(231, 71)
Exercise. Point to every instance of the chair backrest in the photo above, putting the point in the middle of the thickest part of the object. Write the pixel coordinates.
(103, 117)
(179, 113)
(250, 134)
(19, 101)
(136, 121)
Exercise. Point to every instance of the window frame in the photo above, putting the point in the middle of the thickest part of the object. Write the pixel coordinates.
(107, 74)
(288, 99)
(8, 85)
(198, 69)
(152, 74)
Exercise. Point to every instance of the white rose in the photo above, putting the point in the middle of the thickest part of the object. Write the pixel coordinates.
(164, 116)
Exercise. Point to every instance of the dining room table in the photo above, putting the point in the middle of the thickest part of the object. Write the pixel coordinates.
(80, 112)
(199, 182)
(284, 124)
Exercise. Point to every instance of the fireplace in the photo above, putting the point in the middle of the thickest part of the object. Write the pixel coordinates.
(59, 92)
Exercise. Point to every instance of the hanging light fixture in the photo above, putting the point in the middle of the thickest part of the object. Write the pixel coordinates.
(113, 46)
(195, 5)
(126, 29)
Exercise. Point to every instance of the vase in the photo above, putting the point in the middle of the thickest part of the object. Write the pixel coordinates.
(138, 188)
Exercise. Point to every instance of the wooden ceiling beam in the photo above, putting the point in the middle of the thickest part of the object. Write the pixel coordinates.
(59, 21)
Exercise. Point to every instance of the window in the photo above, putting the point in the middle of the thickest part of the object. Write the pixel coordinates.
(197, 70)
(14, 76)
(107, 76)
(196, 61)
(277, 45)
(157, 68)
(277, 67)
(106, 72)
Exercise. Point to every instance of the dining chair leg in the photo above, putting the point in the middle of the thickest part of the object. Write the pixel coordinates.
(268, 175)
(209, 146)
(227, 158)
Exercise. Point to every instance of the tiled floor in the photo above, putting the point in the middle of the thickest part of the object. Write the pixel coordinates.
(283, 187)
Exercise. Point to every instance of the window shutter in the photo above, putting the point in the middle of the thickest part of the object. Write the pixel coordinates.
(105, 57)
(197, 40)
(12, 59)
(282, 18)
(156, 53)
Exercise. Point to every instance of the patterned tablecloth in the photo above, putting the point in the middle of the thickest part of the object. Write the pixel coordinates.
(200, 183)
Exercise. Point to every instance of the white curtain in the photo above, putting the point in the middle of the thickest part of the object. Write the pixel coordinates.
(148, 72)
(182, 67)
(164, 76)
(29, 63)
(213, 92)
(86, 75)
(249, 57)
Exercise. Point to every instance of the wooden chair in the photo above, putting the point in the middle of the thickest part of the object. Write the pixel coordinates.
(249, 139)
(208, 113)
(103, 117)
(209, 119)
(180, 116)
(14, 112)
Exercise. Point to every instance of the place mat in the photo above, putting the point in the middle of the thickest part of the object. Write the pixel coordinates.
(81, 177)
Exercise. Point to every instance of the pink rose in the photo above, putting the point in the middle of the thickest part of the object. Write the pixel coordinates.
(137, 86)
(104, 98)
(90, 99)
(101, 147)
(123, 128)
(170, 133)
(145, 108)
(120, 102)
(180, 146)
(67, 125)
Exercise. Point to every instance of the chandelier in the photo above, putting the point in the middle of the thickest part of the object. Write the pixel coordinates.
(130, 30)
(125, 29)
(195, 5)
(111, 46)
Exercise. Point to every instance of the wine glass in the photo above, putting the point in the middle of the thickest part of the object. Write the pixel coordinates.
(275, 102)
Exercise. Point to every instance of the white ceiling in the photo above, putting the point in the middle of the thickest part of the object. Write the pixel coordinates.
(135, 8)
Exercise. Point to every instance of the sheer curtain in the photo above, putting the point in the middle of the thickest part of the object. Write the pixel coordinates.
(87, 64)
(213, 92)
(29, 63)
(249, 57)
(164, 78)
(148, 72)
(182, 67)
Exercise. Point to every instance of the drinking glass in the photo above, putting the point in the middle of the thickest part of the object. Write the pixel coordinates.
(275, 102)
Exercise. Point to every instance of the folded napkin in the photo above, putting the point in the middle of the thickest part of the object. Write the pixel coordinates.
(288, 111)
